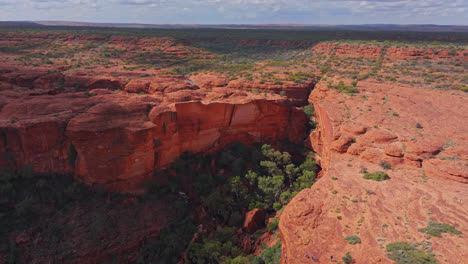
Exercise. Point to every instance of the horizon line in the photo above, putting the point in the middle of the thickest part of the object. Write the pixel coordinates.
(231, 24)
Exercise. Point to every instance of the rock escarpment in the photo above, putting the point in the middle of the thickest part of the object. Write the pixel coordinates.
(118, 140)
(421, 147)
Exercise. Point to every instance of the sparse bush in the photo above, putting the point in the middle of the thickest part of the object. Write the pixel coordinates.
(408, 253)
(269, 256)
(347, 258)
(353, 239)
(376, 176)
(256, 91)
(436, 229)
(346, 89)
(273, 225)
(277, 206)
(309, 110)
(385, 165)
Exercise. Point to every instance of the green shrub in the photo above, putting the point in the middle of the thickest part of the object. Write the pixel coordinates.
(277, 206)
(269, 256)
(258, 234)
(436, 229)
(347, 258)
(309, 110)
(408, 253)
(273, 225)
(385, 165)
(172, 241)
(353, 239)
(301, 77)
(305, 180)
(346, 89)
(257, 204)
(376, 176)
(256, 91)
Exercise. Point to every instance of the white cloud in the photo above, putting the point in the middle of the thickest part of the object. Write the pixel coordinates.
(240, 11)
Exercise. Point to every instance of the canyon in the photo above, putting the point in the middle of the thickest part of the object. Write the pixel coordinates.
(112, 127)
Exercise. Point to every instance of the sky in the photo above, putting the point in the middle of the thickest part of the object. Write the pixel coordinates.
(443, 12)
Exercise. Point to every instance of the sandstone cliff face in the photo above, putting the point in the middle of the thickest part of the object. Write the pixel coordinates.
(198, 127)
(117, 140)
(424, 145)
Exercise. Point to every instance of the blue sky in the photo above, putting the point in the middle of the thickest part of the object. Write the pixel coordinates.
(240, 11)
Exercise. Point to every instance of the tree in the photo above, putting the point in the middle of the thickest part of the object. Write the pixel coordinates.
(238, 188)
(309, 163)
(282, 159)
(305, 181)
(252, 177)
(271, 166)
(217, 204)
(292, 173)
(272, 186)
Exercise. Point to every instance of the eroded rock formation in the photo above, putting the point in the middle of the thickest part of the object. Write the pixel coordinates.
(423, 145)
(118, 140)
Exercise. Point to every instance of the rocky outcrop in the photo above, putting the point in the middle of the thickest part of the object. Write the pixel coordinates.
(296, 93)
(117, 140)
(392, 53)
(342, 203)
(254, 220)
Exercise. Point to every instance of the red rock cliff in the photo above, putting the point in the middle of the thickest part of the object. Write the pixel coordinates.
(428, 174)
(118, 140)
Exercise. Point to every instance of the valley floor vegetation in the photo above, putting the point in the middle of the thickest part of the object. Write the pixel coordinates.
(253, 177)
(225, 185)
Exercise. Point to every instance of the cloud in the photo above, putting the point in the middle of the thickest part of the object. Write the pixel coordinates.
(240, 11)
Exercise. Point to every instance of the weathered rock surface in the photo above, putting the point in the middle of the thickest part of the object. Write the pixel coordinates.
(117, 140)
(318, 219)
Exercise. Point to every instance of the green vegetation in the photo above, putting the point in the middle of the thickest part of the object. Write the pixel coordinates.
(353, 239)
(310, 112)
(385, 165)
(436, 229)
(409, 253)
(214, 250)
(273, 225)
(42, 202)
(376, 176)
(376, 68)
(346, 88)
(269, 256)
(25, 195)
(255, 177)
(347, 258)
(172, 241)
(302, 77)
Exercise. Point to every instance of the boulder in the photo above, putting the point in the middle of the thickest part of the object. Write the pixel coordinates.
(254, 220)
(394, 150)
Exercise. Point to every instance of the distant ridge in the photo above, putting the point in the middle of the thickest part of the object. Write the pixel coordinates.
(364, 27)
(18, 23)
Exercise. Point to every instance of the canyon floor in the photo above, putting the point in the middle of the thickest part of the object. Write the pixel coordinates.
(111, 109)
